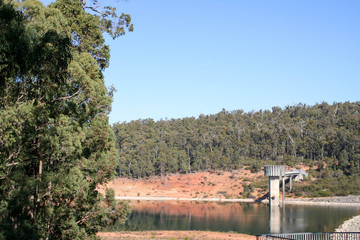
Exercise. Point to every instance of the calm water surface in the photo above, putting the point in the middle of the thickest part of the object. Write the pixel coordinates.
(237, 217)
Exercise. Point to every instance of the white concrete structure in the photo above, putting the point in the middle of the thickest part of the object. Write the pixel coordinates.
(275, 173)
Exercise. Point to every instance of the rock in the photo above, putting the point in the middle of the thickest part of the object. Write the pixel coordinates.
(351, 225)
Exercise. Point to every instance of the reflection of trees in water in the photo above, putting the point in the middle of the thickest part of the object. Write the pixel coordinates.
(139, 220)
(194, 216)
(237, 217)
(315, 218)
(195, 209)
(248, 206)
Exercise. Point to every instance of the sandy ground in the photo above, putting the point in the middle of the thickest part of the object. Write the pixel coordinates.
(196, 235)
(219, 185)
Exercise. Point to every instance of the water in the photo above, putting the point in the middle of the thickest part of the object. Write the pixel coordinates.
(247, 218)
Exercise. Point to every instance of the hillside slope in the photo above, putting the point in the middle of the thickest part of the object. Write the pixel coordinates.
(322, 135)
(193, 185)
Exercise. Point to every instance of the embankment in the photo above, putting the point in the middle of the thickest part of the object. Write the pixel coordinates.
(351, 225)
(353, 201)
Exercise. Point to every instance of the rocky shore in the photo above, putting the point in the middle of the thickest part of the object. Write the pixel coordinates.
(337, 200)
(351, 225)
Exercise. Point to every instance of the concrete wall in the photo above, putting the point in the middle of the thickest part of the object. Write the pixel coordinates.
(274, 191)
(274, 170)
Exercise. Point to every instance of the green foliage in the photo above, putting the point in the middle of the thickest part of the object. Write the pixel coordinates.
(298, 194)
(56, 145)
(262, 184)
(248, 189)
(324, 135)
(329, 186)
(255, 167)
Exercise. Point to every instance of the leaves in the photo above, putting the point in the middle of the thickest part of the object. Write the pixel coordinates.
(56, 145)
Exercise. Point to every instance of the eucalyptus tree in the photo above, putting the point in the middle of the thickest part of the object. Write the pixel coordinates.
(56, 146)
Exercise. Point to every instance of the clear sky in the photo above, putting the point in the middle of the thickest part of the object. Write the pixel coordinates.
(192, 57)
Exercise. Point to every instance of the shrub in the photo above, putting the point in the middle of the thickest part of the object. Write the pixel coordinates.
(343, 192)
(298, 194)
(262, 184)
(325, 193)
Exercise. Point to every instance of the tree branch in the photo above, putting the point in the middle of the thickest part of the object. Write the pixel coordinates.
(11, 165)
(67, 97)
(94, 9)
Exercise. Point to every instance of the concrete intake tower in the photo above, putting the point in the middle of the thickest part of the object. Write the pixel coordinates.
(275, 173)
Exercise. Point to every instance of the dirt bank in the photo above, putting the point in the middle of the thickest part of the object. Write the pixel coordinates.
(219, 185)
(193, 235)
(185, 199)
(329, 201)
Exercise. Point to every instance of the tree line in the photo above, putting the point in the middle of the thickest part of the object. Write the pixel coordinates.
(323, 134)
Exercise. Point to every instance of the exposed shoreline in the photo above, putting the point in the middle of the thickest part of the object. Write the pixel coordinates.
(248, 200)
(353, 201)
(171, 235)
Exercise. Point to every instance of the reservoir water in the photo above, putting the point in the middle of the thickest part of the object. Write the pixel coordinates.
(247, 218)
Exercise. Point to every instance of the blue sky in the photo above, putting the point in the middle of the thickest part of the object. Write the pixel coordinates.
(192, 57)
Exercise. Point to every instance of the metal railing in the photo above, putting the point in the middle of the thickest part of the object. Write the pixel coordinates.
(311, 236)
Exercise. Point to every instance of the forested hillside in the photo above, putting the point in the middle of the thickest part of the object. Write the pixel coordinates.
(323, 135)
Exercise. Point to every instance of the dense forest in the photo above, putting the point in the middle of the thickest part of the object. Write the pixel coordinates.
(323, 135)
